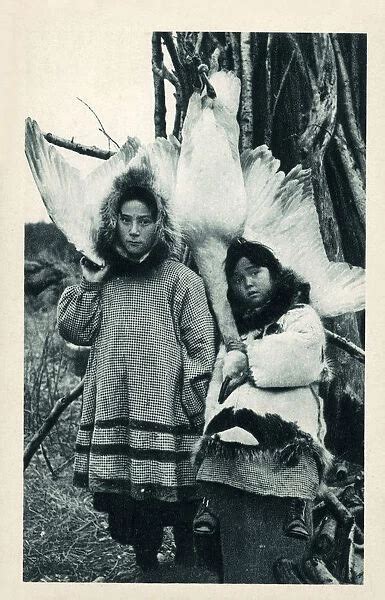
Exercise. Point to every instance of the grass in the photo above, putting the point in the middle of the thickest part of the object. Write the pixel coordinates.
(65, 540)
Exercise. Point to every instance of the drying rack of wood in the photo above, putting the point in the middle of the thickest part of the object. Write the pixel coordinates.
(336, 552)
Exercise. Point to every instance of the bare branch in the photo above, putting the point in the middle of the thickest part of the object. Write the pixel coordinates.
(50, 421)
(79, 148)
(282, 84)
(178, 117)
(304, 67)
(234, 39)
(344, 344)
(47, 461)
(100, 123)
(347, 103)
(164, 73)
(322, 115)
(178, 67)
(269, 123)
(246, 92)
(198, 44)
(160, 99)
(352, 173)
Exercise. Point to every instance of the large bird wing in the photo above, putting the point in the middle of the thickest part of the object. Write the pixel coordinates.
(163, 156)
(282, 215)
(73, 202)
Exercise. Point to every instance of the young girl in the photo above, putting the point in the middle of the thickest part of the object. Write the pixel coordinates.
(262, 456)
(152, 336)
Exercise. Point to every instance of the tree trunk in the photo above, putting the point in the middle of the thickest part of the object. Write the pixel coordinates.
(305, 96)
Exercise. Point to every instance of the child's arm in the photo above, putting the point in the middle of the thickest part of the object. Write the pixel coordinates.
(291, 358)
(79, 311)
(198, 343)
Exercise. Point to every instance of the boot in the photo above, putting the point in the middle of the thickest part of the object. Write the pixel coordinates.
(295, 524)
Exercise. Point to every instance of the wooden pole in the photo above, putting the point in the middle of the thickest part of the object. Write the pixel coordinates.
(50, 421)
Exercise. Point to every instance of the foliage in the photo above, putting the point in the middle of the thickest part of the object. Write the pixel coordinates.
(46, 239)
(47, 376)
(64, 538)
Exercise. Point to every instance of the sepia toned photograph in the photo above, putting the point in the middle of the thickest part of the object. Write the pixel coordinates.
(194, 308)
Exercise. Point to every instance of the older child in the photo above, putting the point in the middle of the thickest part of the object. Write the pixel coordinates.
(152, 336)
(262, 455)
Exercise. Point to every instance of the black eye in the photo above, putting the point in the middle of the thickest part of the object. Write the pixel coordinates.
(236, 280)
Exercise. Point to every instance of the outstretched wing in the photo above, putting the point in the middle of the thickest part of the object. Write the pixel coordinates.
(73, 202)
(163, 156)
(282, 215)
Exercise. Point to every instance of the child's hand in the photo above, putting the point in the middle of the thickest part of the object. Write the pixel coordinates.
(92, 272)
(235, 363)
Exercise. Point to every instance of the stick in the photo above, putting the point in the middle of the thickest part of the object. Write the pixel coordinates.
(50, 421)
(344, 344)
(100, 123)
(324, 542)
(159, 91)
(246, 108)
(347, 103)
(178, 67)
(282, 84)
(79, 148)
(337, 508)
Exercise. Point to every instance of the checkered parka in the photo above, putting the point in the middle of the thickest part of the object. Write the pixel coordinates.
(152, 354)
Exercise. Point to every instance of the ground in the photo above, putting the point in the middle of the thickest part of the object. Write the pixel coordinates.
(64, 538)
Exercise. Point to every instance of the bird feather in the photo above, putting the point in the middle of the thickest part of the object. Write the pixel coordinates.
(73, 202)
(283, 216)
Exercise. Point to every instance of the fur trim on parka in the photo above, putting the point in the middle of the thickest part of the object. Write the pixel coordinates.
(143, 177)
(285, 440)
(288, 290)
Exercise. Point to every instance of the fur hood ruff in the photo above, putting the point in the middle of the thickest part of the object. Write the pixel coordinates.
(140, 175)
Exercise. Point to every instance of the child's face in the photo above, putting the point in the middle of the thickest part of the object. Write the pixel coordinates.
(251, 285)
(136, 228)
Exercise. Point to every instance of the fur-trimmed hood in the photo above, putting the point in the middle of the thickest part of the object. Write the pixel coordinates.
(277, 407)
(140, 175)
(288, 290)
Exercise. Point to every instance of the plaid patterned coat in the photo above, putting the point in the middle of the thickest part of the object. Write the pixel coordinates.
(152, 338)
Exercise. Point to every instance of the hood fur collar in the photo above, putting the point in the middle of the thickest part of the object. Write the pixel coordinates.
(288, 290)
(141, 175)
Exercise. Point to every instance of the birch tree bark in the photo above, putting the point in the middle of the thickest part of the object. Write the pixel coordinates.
(305, 96)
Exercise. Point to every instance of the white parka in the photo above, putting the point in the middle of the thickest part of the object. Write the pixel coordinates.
(285, 368)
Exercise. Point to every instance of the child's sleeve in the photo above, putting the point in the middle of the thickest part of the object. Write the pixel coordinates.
(292, 358)
(197, 332)
(79, 313)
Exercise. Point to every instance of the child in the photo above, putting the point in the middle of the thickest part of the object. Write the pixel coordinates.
(152, 336)
(262, 455)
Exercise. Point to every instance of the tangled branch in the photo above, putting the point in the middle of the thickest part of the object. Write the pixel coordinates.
(101, 128)
(50, 421)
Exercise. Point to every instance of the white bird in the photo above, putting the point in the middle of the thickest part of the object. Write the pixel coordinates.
(209, 202)
(215, 195)
(73, 201)
(220, 196)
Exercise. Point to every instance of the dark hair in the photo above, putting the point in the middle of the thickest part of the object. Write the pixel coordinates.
(258, 254)
(287, 288)
(139, 193)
